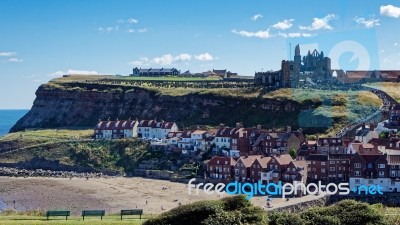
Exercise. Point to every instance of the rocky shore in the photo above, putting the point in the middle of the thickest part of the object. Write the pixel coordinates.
(14, 172)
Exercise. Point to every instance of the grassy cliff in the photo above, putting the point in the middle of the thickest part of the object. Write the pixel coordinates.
(82, 100)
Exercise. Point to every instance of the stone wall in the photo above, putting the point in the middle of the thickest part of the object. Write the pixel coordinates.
(294, 208)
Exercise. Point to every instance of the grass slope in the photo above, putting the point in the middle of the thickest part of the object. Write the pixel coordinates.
(391, 88)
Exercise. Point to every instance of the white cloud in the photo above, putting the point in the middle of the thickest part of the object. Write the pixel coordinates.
(259, 34)
(130, 30)
(320, 23)
(132, 21)
(256, 17)
(367, 23)
(108, 29)
(183, 57)
(283, 25)
(57, 74)
(16, 60)
(8, 54)
(164, 60)
(204, 57)
(142, 30)
(390, 10)
(71, 71)
(169, 59)
(144, 61)
(396, 44)
(294, 35)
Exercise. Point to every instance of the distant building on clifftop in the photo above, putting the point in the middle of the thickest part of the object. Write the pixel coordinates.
(155, 72)
(314, 65)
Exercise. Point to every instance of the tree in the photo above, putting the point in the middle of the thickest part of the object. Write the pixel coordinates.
(383, 135)
(293, 153)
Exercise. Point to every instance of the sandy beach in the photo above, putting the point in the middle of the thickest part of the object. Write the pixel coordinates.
(111, 194)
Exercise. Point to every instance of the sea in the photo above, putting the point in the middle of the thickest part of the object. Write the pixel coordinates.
(9, 117)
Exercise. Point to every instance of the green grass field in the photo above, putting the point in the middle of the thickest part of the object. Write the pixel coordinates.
(39, 220)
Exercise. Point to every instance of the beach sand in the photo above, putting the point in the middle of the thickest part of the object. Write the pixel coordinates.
(110, 194)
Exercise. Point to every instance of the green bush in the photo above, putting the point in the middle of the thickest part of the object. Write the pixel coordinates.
(192, 214)
(285, 219)
(345, 212)
(224, 218)
(235, 202)
(316, 216)
(230, 210)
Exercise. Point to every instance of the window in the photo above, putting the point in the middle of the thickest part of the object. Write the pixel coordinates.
(393, 173)
(357, 165)
(381, 166)
(322, 170)
(322, 163)
(332, 169)
(381, 173)
(331, 162)
(369, 165)
(357, 173)
(343, 162)
(218, 162)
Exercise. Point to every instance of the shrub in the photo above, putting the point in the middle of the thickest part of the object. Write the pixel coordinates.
(316, 216)
(285, 219)
(192, 214)
(224, 218)
(235, 202)
(229, 210)
(344, 212)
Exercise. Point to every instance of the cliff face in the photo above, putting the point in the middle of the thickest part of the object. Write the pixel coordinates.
(71, 105)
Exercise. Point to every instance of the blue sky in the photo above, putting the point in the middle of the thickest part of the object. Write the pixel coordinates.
(41, 40)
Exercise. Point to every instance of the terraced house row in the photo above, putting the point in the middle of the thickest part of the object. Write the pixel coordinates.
(326, 159)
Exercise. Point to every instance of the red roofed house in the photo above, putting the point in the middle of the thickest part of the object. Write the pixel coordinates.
(242, 167)
(154, 129)
(116, 129)
(368, 166)
(275, 167)
(220, 167)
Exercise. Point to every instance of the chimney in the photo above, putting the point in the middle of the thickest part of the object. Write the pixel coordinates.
(372, 127)
(363, 126)
(288, 129)
(221, 125)
(245, 134)
(259, 127)
(108, 118)
(239, 125)
(99, 120)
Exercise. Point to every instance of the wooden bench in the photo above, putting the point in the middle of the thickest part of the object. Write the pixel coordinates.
(100, 213)
(58, 213)
(132, 212)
